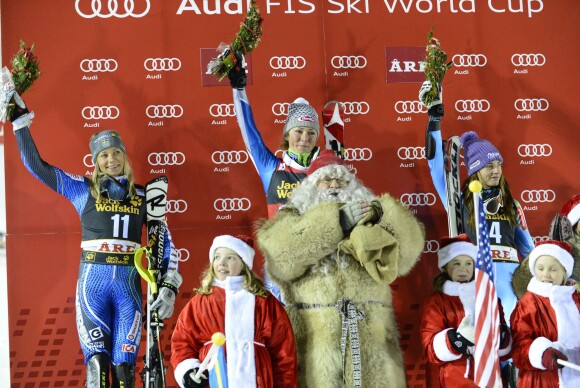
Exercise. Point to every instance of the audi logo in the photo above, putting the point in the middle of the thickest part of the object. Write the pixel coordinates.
(349, 62)
(182, 254)
(472, 106)
(229, 157)
(287, 62)
(222, 110)
(538, 196)
(528, 60)
(357, 154)
(531, 104)
(164, 111)
(232, 204)
(166, 158)
(431, 246)
(418, 199)
(88, 160)
(100, 112)
(469, 60)
(530, 150)
(410, 107)
(411, 153)
(162, 64)
(112, 8)
(356, 108)
(98, 65)
(280, 108)
(176, 206)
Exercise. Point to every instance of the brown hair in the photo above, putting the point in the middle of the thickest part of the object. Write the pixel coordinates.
(252, 283)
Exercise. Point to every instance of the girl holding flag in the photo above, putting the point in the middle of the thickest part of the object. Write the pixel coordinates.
(259, 345)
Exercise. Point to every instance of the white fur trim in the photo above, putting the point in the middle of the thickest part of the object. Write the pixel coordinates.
(562, 255)
(574, 215)
(537, 349)
(567, 316)
(451, 251)
(182, 369)
(245, 251)
(465, 292)
(441, 349)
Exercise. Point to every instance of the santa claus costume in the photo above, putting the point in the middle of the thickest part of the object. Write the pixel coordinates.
(442, 314)
(546, 322)
(336, 283)
(260, 348)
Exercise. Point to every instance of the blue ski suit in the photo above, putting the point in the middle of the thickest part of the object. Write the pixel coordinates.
(108, 294)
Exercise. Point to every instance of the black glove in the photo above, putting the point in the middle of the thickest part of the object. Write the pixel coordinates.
(237, 74)
(19, 107)
(189, 382)
(436, 110)
(550, 358)
(458, 342)
(504, 335)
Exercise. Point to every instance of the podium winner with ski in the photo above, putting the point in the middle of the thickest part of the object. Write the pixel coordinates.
(112, 211)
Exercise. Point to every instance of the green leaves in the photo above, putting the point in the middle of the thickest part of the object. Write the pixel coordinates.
(435, 66)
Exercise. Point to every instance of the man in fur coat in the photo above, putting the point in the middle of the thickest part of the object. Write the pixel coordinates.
(333, 250)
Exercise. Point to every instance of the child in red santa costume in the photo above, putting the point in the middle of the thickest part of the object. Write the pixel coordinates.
(260, 347)
(447, 330)
(546, 320)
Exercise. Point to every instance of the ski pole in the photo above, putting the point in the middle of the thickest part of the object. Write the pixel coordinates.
(568, 364)
(217, 339)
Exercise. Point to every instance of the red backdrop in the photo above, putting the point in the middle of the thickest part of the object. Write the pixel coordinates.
(138, 67)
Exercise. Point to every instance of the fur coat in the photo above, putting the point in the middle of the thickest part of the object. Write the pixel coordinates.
(317, 281)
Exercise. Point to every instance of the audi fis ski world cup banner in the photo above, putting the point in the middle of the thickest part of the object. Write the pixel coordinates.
(140, 67)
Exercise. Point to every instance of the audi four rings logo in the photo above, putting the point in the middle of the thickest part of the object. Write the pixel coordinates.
(280, 108)
(98, 65)
(229, 157)
(418, 199)
(100, 112)
(528, 60)
(472, 106)
(182, 254)
(232, 204)
(538, 196)
(222, 110)
(88, 160)
(162, 64)
(411, 153)
(356, 108)
(113, 8)
(469, 60)
(287, 62)
(530, 150)
(176, 206)
(431, 246)
(164, 111)
(166, 158)
(357, 154)
(348, 62)
(531, 104)
(409, 107)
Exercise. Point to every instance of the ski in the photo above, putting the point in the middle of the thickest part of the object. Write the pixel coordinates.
(333, 121)
(153, 373)
(451, 158)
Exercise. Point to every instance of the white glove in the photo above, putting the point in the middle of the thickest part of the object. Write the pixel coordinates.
(170, 283)
(423, 91)
(467, 329)
(351, 213)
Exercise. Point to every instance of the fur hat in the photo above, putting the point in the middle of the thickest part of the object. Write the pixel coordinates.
(242, 245)
(326, 158)
(571, 209)
(301, 114)
(478, 152)
(560, 250)
(451, 247)
(103, 140)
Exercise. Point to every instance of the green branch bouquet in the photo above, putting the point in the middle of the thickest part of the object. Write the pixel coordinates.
(435, 66)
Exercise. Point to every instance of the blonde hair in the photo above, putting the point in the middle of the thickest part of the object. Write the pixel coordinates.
(252, 283)
(98, 176)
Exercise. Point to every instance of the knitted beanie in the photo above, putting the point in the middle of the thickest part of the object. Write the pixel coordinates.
(560, 250)
(301, 114)
(242, 245)
(451, 247)
(478, 152)
(103, 140)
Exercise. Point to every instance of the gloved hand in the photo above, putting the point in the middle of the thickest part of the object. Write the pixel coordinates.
(189, 380)
(504, 335)
(425, 88)
(9, 98)
(237, 74)
(550, 357)
(170, 283)
(457, 337)
(19, 108)
(374, 215)
(351, 213)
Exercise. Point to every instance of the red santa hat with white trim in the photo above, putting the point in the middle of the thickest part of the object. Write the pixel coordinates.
(242, 245)
(560, 250)
(451, 247)
(571, 209)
